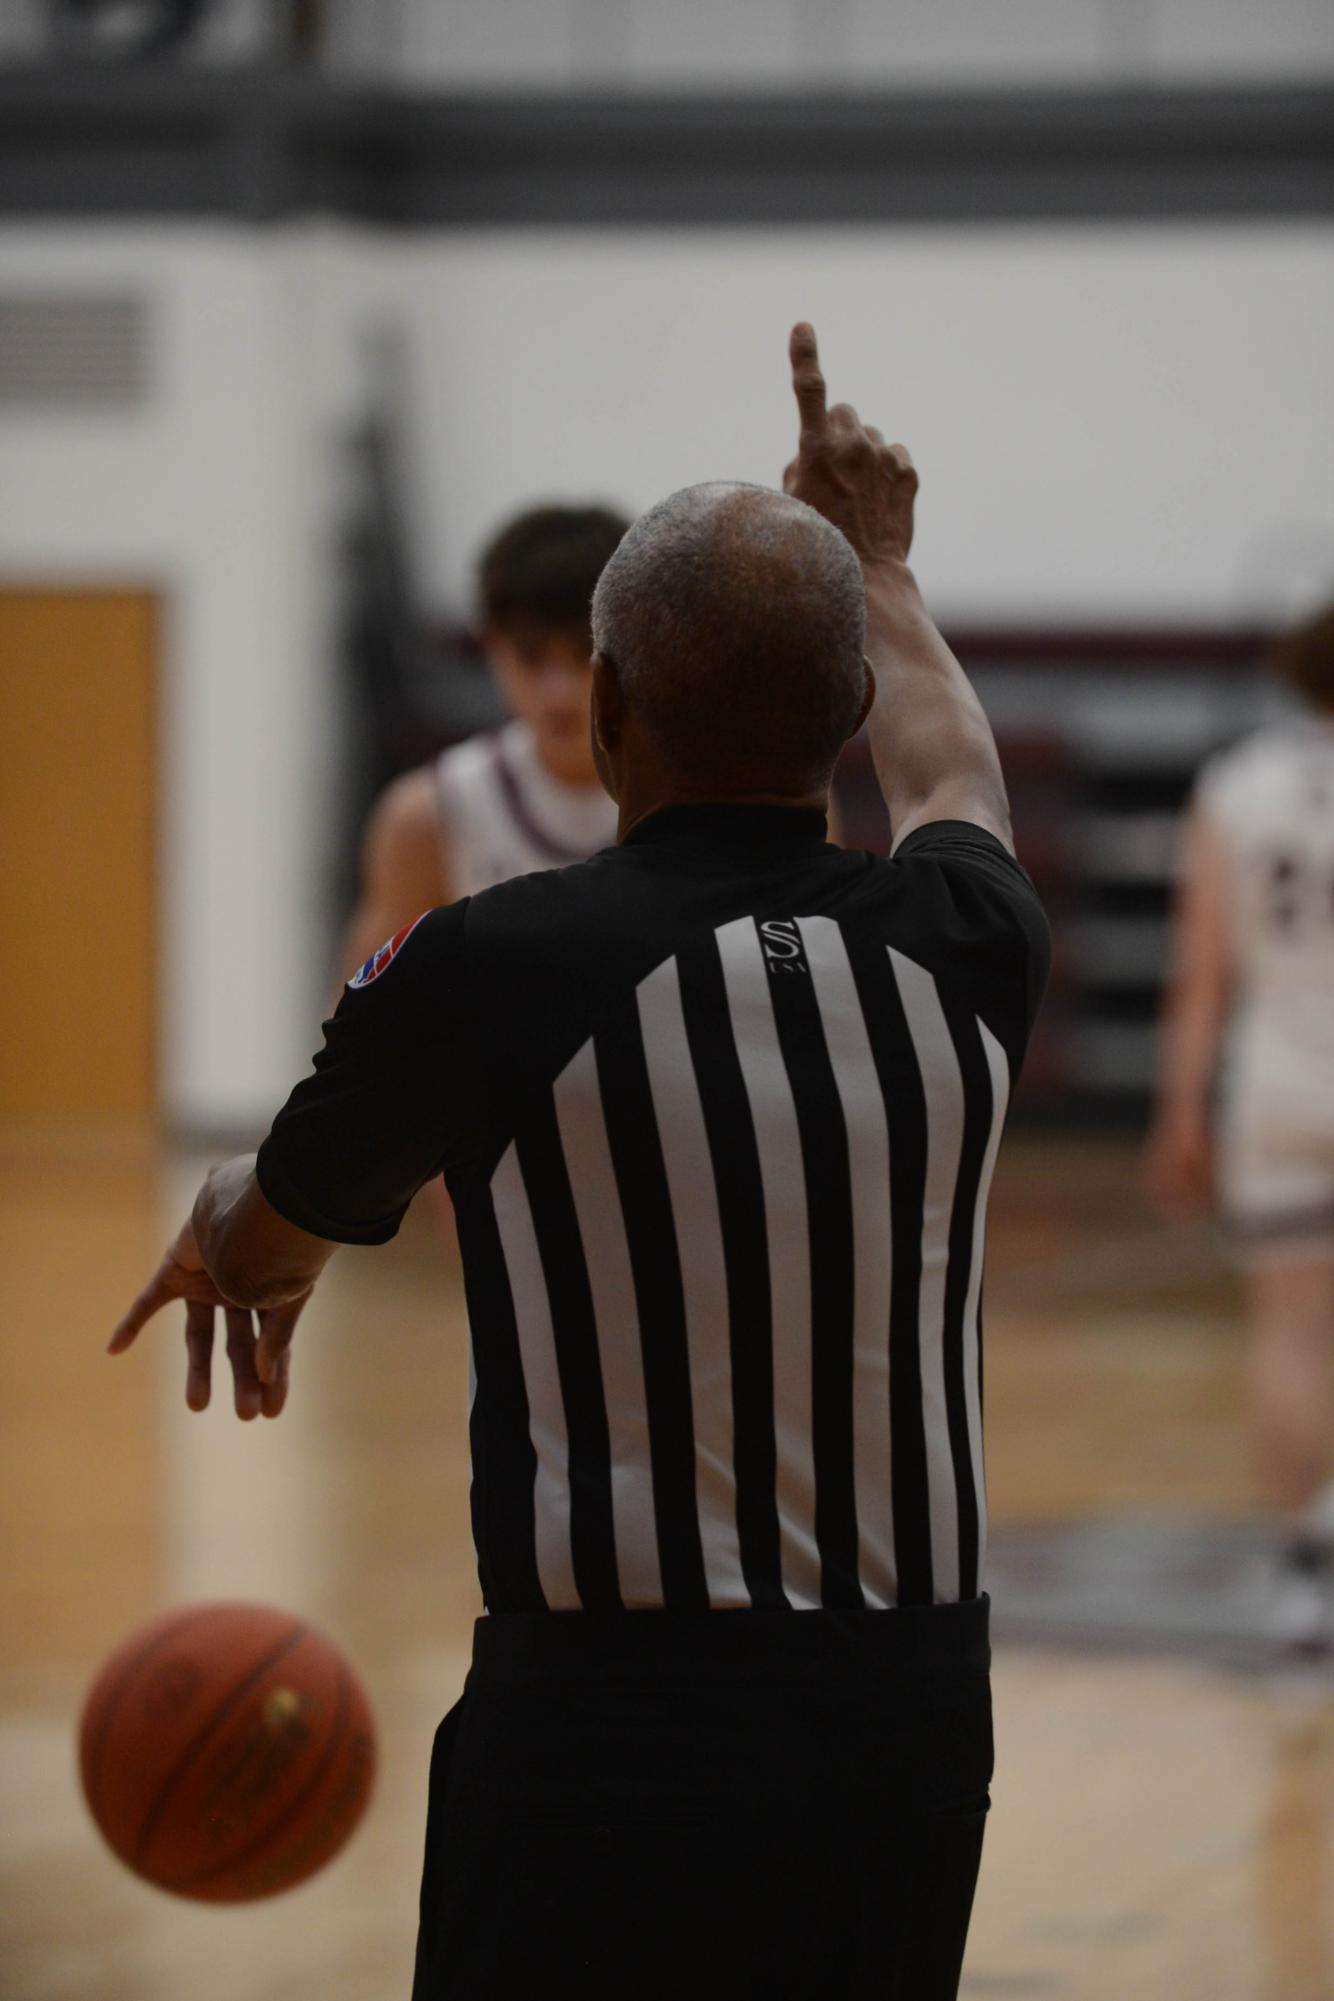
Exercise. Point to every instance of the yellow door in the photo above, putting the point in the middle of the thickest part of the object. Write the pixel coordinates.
(78, 686)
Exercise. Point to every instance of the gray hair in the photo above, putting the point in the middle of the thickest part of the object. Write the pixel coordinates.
(736, 620)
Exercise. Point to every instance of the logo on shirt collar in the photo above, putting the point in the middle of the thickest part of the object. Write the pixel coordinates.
(781, 941)
(380, 962)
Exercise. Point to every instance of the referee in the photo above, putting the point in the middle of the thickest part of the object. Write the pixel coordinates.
(718, 1111)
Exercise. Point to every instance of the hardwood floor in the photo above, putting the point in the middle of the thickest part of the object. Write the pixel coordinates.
(1161, 1831)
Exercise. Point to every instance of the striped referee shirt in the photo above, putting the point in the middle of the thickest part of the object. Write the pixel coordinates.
(718, 1111)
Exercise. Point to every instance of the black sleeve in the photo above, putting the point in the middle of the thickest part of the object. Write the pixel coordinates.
(395, 1097)
(966, 851)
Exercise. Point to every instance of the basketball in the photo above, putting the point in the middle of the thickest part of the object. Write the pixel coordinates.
(227, 1751)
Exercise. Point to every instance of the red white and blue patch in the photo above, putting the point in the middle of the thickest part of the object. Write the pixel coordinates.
(380, 962)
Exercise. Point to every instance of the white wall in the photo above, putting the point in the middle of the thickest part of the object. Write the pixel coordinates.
(852, 44)
(1110, 424)
(208, 493)
(775, 44)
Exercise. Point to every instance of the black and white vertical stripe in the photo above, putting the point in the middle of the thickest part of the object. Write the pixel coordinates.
(731, 1291)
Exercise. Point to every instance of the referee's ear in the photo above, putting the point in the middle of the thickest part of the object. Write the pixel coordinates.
(868, 699)
(606, 718)
(608, 705)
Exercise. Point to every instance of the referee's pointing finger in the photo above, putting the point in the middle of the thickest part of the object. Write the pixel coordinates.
(807, 380)
(155, 1295)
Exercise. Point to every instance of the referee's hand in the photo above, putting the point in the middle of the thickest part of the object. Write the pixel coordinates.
(259, 1344)
(844, 469)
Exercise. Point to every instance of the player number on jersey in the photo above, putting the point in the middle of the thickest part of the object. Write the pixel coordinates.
(1298, 896)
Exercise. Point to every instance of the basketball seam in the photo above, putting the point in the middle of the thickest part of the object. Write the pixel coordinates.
(205, 1731)
(312, 1785)
(97, 1747)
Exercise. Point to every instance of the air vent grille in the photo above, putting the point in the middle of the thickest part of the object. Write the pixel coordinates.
(85, 352)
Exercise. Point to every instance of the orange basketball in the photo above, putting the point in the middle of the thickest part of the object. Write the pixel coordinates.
(227, 1751)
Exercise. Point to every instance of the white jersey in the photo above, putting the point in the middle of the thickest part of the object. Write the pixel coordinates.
(504, 815)
(1271, 799)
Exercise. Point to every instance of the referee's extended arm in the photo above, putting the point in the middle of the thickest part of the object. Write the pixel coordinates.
(932, 745)
(235, 1255)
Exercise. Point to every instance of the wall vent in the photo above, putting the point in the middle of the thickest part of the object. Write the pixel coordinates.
(73, 352)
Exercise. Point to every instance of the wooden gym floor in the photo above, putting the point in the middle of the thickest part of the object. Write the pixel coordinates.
(1162, 1831)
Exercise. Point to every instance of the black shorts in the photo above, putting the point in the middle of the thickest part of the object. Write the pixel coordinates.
(739, 1804)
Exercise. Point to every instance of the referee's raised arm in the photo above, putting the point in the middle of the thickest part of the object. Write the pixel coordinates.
(936, 759)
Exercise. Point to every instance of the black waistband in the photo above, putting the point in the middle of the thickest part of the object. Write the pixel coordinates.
(510, 1645)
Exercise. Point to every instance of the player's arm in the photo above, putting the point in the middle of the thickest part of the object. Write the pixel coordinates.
(1179, 1154)
(404, 867)
(931, 743)
(236, 1255)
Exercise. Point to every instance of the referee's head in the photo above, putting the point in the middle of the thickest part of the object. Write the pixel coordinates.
(729, 631)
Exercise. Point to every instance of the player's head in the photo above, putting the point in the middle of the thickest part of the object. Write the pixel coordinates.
(1304, 658)
(535, 590)
(732, 625)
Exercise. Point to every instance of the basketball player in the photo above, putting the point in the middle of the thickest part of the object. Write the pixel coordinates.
(1252, 996)
(718, 1111)
(522, 797)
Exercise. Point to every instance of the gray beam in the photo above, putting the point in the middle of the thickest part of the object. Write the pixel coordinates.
(267, 146)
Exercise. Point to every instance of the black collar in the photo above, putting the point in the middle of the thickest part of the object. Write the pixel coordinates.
(731, 825)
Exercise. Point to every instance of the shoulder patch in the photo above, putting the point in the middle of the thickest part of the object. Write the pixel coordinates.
(380, 962)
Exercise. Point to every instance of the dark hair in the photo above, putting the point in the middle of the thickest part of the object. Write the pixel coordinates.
(1304, 658)
(542, 567)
